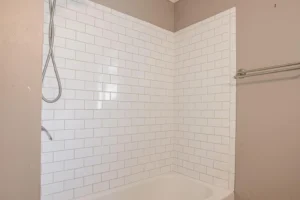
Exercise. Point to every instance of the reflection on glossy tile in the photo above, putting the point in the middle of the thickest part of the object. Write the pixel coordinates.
(102, 96)
(111, 87)
(93, 105)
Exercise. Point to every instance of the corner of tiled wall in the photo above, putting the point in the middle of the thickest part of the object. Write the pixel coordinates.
(138, 101)
(205, 100)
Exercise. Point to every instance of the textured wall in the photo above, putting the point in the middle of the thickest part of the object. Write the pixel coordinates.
(205, 100)
(113, 124)
(20, 103)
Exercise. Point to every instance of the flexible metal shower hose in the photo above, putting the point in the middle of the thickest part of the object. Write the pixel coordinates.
(50, 56)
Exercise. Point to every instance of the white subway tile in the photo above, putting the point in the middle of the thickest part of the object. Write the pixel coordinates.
(103, 24)
(93, 142)
(83, 172)
(74, 45)
(125, 39)
(101, 186)
(93, 105)
(64, 12)
(74, 124)
(71, 184)
(63, 155)
(52, 188)
(109, 158)
(74, 144)
(76, 6)
(110, 53)
(85, 57)
(47, 157)
(74, 104)
(64, 135)
(101, 150)
(85, 76)
(110, 35)
(68, 194)
(73, 164)
(118, 46)
(84, 95)
(46, 179)
(95, 13)
(94, 160)
(52, 167)
(77, 26)
(111, 18)
(94, 49)
(63, 175)
(84, 114)
(102, 60)
(94, 86)
(118, 29)
(109, 175)
(92, 179)
(74, 84)
(65, 33)
(83, 191)
(139, 101)
(85, 133)
(83, 37)
(97, 169)
(54, 125)
(64, 53)
(85, 18)
(64, 114)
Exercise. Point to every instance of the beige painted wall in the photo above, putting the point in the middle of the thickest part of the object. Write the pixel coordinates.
(188, 12)
(268, 111)
(157, 12)
(20, 115)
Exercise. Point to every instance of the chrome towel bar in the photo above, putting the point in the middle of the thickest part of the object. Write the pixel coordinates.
(242, 73)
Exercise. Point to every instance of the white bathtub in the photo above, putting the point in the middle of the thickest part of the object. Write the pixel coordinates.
(166, 187)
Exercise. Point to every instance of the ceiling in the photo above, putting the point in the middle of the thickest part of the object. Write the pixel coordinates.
(174, 1)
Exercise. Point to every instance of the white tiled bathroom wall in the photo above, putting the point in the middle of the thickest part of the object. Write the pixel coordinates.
(205, 100)
(114, 122)
(136, 103)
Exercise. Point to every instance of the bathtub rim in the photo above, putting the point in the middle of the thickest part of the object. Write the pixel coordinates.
(219, 193)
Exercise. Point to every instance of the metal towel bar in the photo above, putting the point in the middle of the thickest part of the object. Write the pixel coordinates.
(242, 73)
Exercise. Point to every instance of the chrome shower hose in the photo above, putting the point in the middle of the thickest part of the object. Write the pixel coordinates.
(50, 56)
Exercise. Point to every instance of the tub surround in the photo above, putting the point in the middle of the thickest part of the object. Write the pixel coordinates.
(127, 95)
(205, 98)
(267, 106)
(114, 123)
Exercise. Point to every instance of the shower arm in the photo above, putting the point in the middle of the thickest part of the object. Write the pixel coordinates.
(47, 132)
